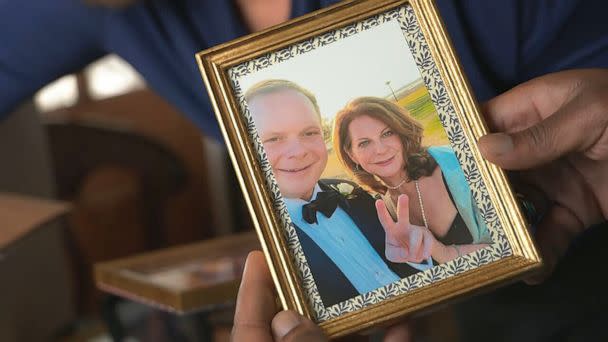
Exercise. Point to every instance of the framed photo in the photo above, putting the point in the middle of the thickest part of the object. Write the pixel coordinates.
(353, 133)
(197, 277)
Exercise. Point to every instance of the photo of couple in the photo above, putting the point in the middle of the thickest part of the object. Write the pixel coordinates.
(409, 207)
(375, 193)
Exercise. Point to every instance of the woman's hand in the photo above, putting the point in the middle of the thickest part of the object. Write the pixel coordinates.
(405, 242)
(554, 131)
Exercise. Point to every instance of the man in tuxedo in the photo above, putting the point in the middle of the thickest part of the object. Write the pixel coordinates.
(336, 222)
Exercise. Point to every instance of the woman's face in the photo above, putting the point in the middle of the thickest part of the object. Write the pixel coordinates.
(376, 148)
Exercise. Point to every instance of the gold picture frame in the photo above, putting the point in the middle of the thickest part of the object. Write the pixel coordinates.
(510, 255)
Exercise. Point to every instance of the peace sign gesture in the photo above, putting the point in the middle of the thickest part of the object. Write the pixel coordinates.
(405, 242)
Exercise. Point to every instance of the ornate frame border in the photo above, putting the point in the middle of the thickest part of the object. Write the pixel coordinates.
(510, 256)
(408, 23)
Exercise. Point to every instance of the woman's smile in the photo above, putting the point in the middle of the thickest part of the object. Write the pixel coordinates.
(385, 162)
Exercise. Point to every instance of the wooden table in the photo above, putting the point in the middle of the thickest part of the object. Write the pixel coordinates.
(186, 279)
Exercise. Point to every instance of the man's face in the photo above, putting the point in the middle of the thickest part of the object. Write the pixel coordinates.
(293, 139)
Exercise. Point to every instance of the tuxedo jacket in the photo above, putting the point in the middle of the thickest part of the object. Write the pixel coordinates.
(332, 284)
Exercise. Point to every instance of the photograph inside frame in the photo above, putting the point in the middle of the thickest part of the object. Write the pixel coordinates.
(359, 144)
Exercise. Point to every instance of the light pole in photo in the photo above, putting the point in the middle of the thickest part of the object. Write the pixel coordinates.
(388, 83)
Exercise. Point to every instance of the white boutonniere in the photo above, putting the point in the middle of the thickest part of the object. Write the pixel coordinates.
(345, 189)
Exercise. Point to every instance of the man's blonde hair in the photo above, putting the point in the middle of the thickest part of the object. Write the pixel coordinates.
(276, 85)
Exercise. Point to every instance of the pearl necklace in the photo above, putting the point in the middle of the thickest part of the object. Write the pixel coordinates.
(396, 186)
(426, 224)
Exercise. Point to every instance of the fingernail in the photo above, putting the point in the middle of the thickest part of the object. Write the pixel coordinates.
(496, 144)
(284, 322)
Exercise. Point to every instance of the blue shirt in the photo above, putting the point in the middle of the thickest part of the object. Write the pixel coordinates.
(339, 237)
(500, 43)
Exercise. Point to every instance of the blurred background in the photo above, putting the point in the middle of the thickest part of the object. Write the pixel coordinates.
(133, 175)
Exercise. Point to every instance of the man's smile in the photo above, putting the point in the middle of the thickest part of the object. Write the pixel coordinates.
(296, 169)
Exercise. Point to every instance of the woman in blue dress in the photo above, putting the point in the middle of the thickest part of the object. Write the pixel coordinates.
(421, 189)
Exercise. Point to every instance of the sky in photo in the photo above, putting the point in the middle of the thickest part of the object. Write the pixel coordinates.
(359, 65)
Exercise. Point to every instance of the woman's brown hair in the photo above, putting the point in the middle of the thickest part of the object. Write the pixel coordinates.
(418, 162)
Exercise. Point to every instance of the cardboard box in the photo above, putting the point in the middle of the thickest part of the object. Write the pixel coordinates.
(36, 295)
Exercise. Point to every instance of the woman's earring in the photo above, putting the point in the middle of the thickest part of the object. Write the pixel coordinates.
(356, 169)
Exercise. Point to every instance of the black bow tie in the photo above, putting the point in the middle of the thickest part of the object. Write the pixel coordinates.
(326, 203)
